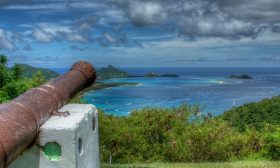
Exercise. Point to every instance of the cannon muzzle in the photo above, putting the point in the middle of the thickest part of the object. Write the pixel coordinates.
(21, 118)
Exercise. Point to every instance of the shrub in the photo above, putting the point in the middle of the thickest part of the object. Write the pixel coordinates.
(170, 134)
(271, 146)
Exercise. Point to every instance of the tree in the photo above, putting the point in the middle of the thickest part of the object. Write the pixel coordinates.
(17, 72)
(3, 80)
(4, 96)
(3, 59)
(38, 79)
(12, 82)
(4, 75)
(12, 90)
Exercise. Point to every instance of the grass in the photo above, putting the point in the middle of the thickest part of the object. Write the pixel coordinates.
(237, 164)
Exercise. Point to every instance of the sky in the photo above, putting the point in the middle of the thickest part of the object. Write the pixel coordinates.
(141, 33)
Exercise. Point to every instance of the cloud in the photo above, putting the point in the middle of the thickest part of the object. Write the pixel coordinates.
(5, 42)
(79, 31)
(146, 13)
(117, 38)
(252, 10)
(205, 18)
(85, 25)
(112, 39)
(109, 38)
(9, 40)
(190, 19)
(42, 36)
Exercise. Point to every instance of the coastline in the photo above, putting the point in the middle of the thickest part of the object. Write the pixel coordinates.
(78, 98)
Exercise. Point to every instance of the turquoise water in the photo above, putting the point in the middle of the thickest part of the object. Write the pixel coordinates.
(208, 87)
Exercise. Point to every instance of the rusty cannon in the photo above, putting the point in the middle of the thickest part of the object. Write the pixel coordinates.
(21, 118)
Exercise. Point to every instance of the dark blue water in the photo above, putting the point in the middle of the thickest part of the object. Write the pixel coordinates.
(208, 87)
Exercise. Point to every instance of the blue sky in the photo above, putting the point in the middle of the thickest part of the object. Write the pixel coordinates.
(141, 33)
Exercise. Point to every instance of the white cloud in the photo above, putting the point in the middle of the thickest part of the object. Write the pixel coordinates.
(199, 21)
(78, 32)
(110, 38)
(204, 18)
(5, 42)
(146, 13)
(42, 36)
(76, 38)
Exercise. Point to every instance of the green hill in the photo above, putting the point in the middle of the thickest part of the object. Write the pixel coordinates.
(111, 72)
(29, 71)
(255, 115)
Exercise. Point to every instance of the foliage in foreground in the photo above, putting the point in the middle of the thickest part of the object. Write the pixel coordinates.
(172, 135)
(263, 116)
(255, 115)
(12, 82)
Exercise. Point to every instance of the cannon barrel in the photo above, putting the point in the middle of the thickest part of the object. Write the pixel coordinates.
(21, 118)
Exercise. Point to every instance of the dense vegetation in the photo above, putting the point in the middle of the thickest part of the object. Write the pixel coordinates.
(12, 81)
(255, 115)
(263, 116)
(29, 71)
(181, 135)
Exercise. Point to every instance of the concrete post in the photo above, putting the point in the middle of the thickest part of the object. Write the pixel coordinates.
(65, 142)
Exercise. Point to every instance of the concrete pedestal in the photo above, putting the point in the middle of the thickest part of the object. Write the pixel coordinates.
(65, 142)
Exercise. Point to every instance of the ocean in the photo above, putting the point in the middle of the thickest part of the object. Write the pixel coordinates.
(208, 87)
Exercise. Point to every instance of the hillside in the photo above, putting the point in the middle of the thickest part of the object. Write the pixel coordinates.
(29, 71)
(111, 72)
(254, 115)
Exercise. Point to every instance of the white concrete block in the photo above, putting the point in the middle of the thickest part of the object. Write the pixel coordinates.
(77, 135)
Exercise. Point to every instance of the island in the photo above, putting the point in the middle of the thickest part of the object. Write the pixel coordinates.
(151, 75)
(243, 76)
(155, 75)
(110, 72)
